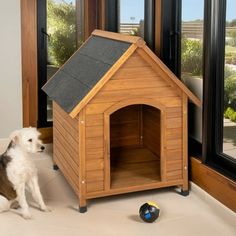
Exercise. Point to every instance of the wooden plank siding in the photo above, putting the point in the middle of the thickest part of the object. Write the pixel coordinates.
(66, 146)
(174, 143)
(136, 78)
(129, 131)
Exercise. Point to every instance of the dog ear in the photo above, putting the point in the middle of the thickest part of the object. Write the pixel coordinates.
(14, 136)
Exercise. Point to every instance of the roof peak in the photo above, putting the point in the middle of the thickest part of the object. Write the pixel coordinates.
(119, 37)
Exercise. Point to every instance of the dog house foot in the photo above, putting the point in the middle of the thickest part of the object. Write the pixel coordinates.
(55, 167)
(184, 192)
(83, 209)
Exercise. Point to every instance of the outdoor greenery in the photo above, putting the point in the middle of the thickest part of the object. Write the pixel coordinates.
(230, 88)
(61, 27)
(230, 113)
(192, 66)
(191, 56)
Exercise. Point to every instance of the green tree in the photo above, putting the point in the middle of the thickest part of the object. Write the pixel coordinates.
(62, 30)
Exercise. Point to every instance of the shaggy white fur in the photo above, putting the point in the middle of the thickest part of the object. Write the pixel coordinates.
(21, 171)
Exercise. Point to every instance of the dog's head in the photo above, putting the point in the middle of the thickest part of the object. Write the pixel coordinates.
(28, 139)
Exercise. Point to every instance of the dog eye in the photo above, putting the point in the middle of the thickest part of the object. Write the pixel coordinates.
(30, 140)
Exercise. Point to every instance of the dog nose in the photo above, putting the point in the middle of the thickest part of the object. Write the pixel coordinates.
(42, 148)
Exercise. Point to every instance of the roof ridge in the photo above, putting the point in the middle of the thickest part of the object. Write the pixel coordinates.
(117, 36)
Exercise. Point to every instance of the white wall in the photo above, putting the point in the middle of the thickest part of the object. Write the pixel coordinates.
(10, 67)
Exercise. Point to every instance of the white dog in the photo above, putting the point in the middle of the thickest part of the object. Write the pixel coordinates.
(17, 171)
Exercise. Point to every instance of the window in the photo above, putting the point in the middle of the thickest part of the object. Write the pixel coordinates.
(132, 17)
(219, 74)
(229, 131)
(207, 55)
(192, 59)
(60, 33)
(192, 39)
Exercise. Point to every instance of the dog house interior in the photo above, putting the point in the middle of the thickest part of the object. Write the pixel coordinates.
(135, 134)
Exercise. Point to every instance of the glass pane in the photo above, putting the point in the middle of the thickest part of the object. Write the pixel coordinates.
(192, 57)
(64, 36)
(131, 17)
(192, 39)
(229, 144)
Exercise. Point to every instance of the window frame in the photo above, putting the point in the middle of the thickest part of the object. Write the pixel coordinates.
(213, 77)
(42, 63)
(213, 88)
(170, 52)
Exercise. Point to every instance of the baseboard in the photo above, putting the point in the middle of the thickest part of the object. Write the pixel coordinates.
(217, 185)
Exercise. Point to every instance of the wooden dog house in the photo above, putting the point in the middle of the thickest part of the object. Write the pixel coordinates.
(119, 119)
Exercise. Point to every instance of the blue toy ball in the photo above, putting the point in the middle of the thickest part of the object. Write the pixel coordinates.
(149, 212)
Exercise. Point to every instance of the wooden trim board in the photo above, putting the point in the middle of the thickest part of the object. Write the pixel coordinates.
(116, 36)
(46, 134)
(217, 185)
(29, 62)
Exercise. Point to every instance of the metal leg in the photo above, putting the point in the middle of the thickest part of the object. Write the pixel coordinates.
(55, 167)
(83, 209)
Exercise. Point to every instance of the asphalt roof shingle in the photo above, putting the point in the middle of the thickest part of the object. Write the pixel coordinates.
(83, 71)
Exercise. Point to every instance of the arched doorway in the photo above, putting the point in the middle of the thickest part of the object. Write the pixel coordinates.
(135, 145)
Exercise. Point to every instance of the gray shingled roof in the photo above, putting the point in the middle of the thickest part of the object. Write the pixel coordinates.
(83, 70)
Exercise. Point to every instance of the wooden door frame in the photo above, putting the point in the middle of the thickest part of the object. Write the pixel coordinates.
(106, 128)
(29, 62)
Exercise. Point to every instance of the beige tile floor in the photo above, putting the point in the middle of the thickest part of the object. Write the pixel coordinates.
(198, 214)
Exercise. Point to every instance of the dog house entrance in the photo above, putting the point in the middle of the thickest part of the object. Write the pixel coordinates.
(135, 146)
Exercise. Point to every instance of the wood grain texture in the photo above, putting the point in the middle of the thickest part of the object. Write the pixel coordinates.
(46, 134)
(131, 131)
(152, 129)
(185, 142)
(158, 26)
(133, 166)
(163, 70)
(117, 36)
(90, 17)
(214, 183)
(82, 160)
(29, 62)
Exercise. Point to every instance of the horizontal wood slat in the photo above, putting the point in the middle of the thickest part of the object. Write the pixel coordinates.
(131, 73)
(94, 153)
(174, 154)
(72, 150)
(95, 187)
(97, 108)
(92, 143)
(94, 176)
(94, 120)
(124, 84)
(94, 164)
(94, 131)
(135, 61)
(119, 95)
(70, 177)
(72, 141)
(59, 111)
(63, 154)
